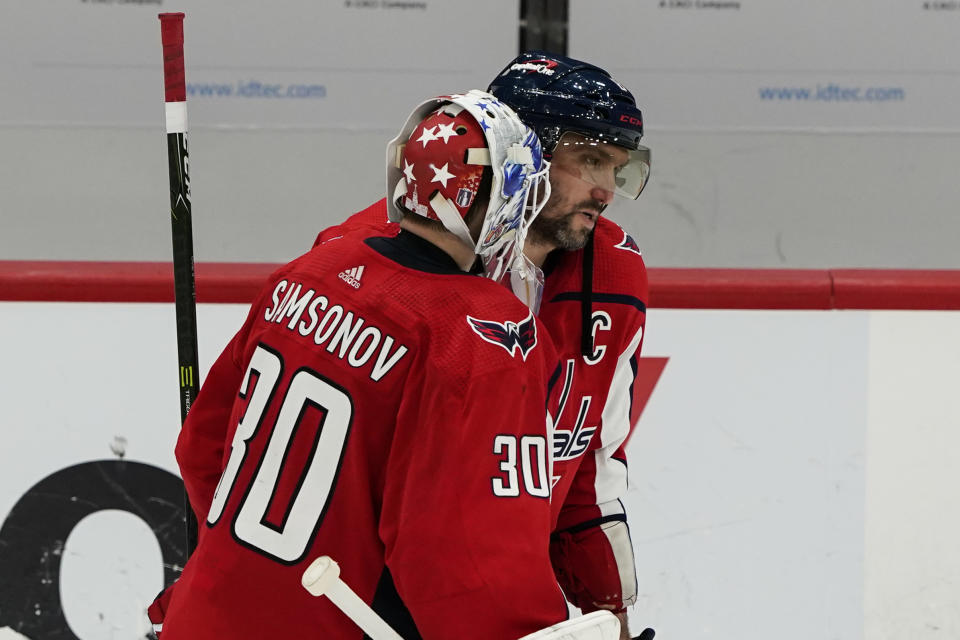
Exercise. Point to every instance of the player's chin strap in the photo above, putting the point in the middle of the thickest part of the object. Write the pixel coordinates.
(451, 218)
(586, 308)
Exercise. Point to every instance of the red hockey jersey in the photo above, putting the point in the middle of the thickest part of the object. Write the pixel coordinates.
(594, 420)
(386, 409)
(591, 547)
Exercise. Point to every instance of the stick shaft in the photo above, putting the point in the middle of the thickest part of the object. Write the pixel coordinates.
(181, 221)
(358, 611)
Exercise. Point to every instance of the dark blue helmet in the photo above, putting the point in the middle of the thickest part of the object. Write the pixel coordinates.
(555, 94)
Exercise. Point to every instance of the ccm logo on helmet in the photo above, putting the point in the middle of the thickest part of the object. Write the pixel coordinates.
(546, 67)
(635, 121)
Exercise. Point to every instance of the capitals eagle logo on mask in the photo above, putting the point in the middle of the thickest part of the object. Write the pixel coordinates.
(509, 335)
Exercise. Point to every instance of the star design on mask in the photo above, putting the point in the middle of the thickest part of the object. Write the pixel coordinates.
(408, 171)
(483, 123)
(445, 131)
(441, 175)
(427, 136)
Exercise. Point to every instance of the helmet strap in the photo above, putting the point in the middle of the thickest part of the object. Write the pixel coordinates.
(449, 215)
(586, 299)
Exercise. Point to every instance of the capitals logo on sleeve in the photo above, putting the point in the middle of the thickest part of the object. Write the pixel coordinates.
(509, 335)
(629, 244)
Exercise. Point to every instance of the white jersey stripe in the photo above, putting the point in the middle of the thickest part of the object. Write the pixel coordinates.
(611, 479)
(611, 508)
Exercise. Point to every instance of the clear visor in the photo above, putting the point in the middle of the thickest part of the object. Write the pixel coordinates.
(603, 164)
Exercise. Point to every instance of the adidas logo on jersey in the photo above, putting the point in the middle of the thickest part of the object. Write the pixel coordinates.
(352, 276)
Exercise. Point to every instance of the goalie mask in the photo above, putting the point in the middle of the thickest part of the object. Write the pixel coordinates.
(435, 168)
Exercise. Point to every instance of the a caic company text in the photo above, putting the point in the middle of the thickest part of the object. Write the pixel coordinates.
(700, 4)
(384, 4)
(154, 2)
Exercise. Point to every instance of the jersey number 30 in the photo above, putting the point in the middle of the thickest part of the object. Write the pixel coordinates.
(289, 541)
(530, 454)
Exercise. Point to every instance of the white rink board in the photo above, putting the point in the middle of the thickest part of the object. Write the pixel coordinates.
(85, 375)
(338, 64)
(791, 476)
(746, 499)
(913, 449)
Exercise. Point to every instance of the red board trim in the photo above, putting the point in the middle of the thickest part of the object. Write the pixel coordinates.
(224, 282)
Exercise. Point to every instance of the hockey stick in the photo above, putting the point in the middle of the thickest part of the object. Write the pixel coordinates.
(322, 577)
(171, 36)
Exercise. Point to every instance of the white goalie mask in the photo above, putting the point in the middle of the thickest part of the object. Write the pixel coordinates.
(435, 167)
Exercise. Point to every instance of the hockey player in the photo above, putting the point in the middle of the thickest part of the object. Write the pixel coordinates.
(594, 307)
(590, 128)
(384, 404)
